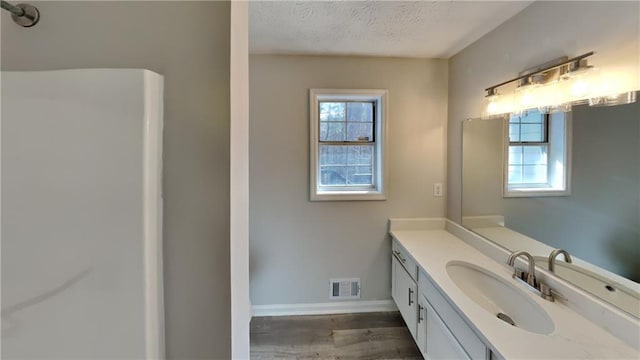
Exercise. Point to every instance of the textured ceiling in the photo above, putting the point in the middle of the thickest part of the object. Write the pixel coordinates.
(430, 29)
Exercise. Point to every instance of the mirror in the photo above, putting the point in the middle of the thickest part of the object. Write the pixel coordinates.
(571, 180)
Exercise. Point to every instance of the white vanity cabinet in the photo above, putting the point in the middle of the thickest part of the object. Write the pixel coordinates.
(449, 321)
(404, 288)
(439, 331)
(446, 334)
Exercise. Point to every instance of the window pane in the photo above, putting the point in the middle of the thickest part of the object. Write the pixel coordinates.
(332, 111)
(324, 128)
(333, 155)
(527, 164)
(360, 175)
(333, 175)
(534, 174)
(360, 111)
(515, 174)
(515, 155)
(532, 132)
(359, 131)
(514, 132)
(527, 127)
(535, 155)
(360, 155)
(334, 131)
(346, 165)
(532, 117)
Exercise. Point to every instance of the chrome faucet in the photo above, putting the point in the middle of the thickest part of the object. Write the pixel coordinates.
(540, 288)
(531, 274)
(554, 254)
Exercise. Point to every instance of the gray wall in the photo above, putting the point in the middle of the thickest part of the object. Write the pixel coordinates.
(297, 245)
(188, 43)
(482, 167)
(542, 31)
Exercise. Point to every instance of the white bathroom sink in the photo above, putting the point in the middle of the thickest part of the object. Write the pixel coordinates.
(500, 298)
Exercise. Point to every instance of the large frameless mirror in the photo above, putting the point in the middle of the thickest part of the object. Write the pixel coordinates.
(539, 182)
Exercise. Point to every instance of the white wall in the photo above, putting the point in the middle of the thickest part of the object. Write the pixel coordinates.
(297, 245)
(239, 187)
(543, 31)
(188, 43)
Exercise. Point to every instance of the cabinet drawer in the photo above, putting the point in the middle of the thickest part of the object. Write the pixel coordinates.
(458, 327)
(404, 259)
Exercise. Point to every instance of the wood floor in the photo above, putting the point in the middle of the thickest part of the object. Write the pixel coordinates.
(381, 335)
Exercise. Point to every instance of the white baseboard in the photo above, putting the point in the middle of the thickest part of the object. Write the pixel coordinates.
(337, 307)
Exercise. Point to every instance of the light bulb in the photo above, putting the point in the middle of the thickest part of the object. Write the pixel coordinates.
(493, 108)
(582, 83)
(509, 103)
(527, 96)
(580, 88)
(526, 99)
(608, 86)
(491, 105)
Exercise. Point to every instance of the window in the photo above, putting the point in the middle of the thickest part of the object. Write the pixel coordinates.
(537, 156)
(347, 144)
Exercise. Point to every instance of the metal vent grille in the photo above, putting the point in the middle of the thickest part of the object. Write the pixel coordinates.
(344, 288)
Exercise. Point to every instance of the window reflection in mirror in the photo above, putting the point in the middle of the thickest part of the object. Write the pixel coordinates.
(537, 154)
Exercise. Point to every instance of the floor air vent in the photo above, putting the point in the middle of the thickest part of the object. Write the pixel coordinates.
(344, 289)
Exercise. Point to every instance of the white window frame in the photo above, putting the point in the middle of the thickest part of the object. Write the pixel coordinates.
(379, 190)
(559, 153)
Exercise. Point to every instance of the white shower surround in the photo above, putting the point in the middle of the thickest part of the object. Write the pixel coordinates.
(82, 214)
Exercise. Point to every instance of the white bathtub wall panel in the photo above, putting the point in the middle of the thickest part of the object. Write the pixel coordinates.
(74, 275)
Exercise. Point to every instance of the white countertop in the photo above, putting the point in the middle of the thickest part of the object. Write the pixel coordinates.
(573, 337)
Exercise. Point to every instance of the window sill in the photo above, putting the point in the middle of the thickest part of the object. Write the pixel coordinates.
(535, 192)
(348, 196)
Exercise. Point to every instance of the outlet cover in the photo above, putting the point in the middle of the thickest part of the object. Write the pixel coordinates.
(437, 189)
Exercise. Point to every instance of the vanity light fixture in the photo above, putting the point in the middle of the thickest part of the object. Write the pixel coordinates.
(554, 87)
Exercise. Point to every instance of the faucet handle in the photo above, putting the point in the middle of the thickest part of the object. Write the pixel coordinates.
(548, 293)
(558, 295)
(526, 277)
(532, 281)
(517, 273)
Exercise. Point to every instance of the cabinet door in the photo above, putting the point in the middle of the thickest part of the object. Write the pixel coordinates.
(441, 344)
(463, 333)
(405, 295)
